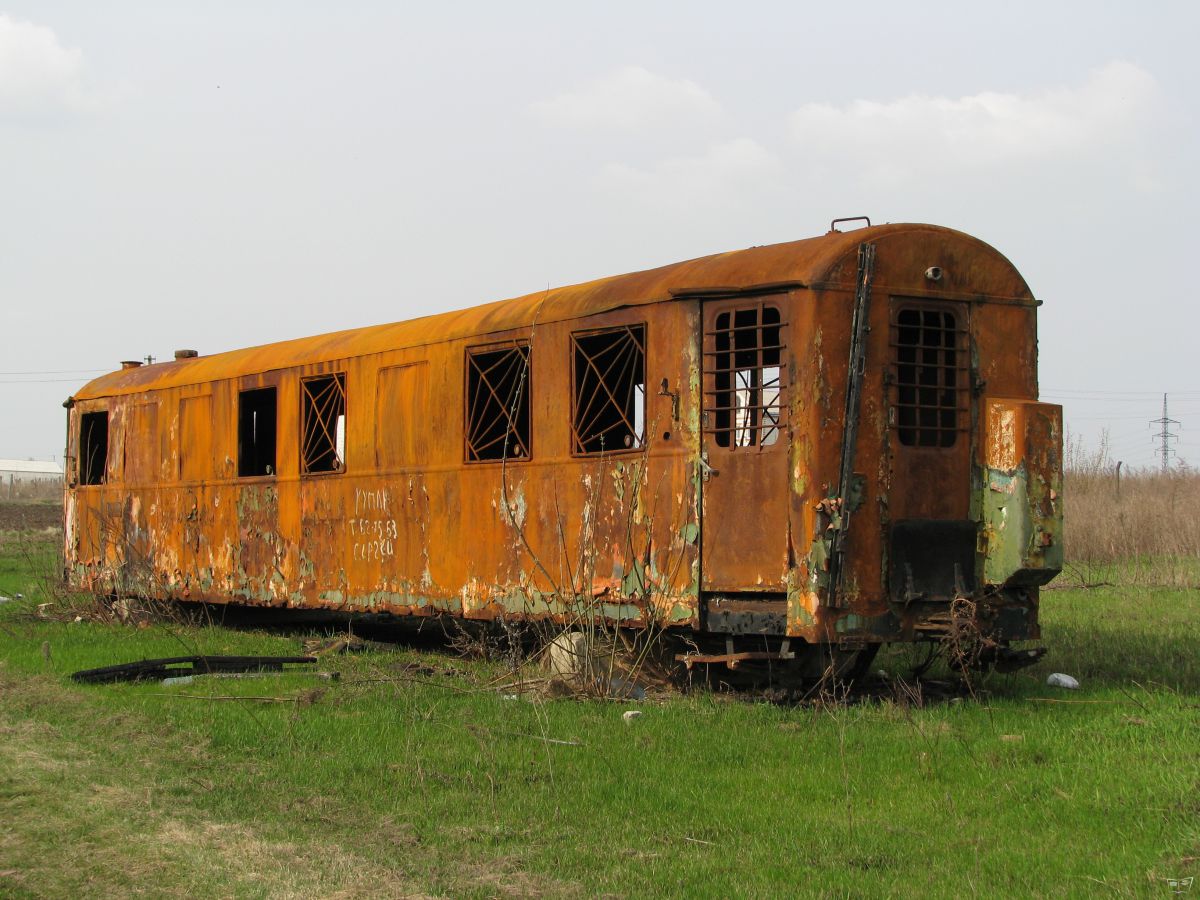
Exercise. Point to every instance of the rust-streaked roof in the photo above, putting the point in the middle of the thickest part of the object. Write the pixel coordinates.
(799, 262)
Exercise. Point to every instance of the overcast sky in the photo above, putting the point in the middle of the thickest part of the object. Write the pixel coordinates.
(218, 175)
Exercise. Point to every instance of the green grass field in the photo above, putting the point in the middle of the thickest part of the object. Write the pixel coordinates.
(410, 777)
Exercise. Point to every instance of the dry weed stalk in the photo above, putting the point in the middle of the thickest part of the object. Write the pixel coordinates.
(1142, 527)
(134, 592)
(610, 660)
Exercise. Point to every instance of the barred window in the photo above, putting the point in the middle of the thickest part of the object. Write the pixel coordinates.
(744, 354)
(930, 376)
(609, 377)
(93, 447)
(323, 424)
(497, 408)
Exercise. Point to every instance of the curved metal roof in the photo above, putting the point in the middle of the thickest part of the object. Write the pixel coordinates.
(803, 263)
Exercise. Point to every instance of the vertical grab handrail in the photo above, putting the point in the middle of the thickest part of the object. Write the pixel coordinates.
(854, 384)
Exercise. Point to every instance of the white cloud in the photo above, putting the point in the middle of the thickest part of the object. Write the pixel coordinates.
(730, 168)
(38, 75)
(918, 134)
(629, 97)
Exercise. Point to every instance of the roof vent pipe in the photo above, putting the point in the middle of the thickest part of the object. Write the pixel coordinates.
(186, 354)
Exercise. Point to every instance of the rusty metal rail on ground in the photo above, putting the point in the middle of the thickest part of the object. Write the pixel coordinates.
(181, 666)
(734, 659)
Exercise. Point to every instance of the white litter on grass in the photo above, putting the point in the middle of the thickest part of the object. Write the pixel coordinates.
(1058, 679)
(630, 714)
(5, 599)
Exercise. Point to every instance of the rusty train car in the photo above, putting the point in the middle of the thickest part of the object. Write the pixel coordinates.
(826, 443)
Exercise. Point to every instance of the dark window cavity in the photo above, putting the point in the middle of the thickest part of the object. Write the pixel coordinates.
(609, 370)
(93, 447)
(744, 356)
(256, 432)
(497, 421)
(323, 424)
(929, 377)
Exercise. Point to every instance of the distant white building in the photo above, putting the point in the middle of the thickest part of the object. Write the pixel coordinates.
(27, 471)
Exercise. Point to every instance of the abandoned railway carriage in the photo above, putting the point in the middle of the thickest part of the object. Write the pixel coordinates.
(821, 443)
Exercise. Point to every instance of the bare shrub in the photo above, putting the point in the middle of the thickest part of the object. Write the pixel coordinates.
(138, 601)
(609, 661)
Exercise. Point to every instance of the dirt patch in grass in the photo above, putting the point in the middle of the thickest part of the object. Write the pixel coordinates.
(30, 516)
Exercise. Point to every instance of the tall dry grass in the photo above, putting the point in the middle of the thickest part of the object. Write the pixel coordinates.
(1144, 531)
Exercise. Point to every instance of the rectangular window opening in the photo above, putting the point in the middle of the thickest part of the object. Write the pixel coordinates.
(609, 370)
(497, 408)
(93, 447)
(929, 377)
(744, 355)
(323, 424)
(256, 432)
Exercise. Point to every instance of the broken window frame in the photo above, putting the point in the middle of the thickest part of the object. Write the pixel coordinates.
(745, 407)
(92, 461)
(323, 424)
(617, 399)
(930, 389)
(497, 420)
(245, 469)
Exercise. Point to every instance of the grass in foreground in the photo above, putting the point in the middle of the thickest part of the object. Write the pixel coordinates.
(399, 780)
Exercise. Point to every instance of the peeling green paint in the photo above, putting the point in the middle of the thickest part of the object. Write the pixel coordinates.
(634, 584)
(848, 623)
(1020, 547)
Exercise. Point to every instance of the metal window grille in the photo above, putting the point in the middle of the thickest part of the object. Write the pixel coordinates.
(497, 425)
(323, 424)
(609, 376)
(743, 399)
(930, 376)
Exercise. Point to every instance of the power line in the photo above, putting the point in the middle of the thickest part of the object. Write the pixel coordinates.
(1165, 436)
(1046, 395)
(1134, 418)
(56, 372)
(1105, 392)
(42, 381)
